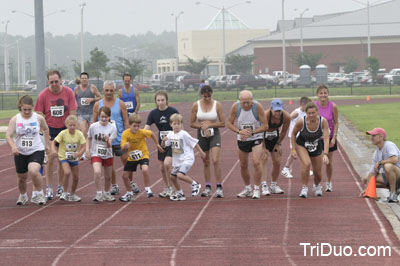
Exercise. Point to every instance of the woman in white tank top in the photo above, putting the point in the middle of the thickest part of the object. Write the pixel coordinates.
(28, 149)
(207, 117)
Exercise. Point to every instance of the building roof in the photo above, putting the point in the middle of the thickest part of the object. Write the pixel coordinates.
(232, 22)
(384, 22)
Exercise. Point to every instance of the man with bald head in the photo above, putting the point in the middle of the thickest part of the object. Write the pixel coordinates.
(250, 125)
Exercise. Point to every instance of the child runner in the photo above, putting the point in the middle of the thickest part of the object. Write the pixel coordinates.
(182, 145)
(71, 147)
(134, 140)
(99, 149)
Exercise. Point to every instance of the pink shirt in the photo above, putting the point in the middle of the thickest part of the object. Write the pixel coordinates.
(327, 113)
(56, 107)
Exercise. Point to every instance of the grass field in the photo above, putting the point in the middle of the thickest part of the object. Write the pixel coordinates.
(367, 117)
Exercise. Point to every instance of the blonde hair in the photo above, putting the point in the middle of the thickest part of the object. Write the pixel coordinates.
(134, 118)
(176, 118)
(71, 118)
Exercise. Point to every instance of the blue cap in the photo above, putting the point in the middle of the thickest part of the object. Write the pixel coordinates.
(277, 105)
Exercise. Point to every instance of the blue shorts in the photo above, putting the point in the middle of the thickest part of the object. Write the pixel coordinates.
(71, 163)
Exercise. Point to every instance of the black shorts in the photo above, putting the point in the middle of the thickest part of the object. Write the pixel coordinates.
(130, 166)
(316, 151)
(117, 151)
(22, 161)
(168, 153)
(53, 131)
(331, 149)
(387, 182)
(208, 143)
(247, 146)
(270, 143)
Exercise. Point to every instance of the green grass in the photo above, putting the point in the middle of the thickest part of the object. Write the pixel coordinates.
(368, 116)
(8, 113)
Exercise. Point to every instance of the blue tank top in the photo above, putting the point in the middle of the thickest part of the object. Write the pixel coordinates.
(116, 118)
(129, 99)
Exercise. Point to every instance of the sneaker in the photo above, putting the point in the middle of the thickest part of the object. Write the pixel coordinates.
(177, 197)
(45, 158)
(328, 187)
(115, 190)
(64, 196)
(286, 172)
(256, 194)
(245, 193)
(265, 190)
(317, 190)
(98, 198)
(311, 173)
(393, 197)
(39, 199)
(60, 190)
(196, 189)
(220, 193)
(83, 157)
(150, 194)
(49, 193)
(164, 193)
(304, 191)
(22, 199)
(127, 197)
(74, 198)
(275, 189)
(207, 192)
(135, 188)
(108, 197)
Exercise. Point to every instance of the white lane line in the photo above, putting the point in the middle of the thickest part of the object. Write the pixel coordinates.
(382, 228)
(286, 229)
(178, 245)
(9, 168)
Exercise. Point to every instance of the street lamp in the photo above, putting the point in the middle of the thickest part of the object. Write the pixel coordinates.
(82, 63)
(123, 49)
(48, 57)
(6, 77)
(32, 16)
(301, 28)
(223, 9)
(283, 43)
(176, 35)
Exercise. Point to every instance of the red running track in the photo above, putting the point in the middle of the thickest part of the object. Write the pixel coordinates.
(199, 231)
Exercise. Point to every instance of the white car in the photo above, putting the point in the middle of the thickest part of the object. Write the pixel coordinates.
(388, 79)
(30, 85)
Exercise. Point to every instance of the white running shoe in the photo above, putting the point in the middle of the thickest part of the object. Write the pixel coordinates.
(275, 189)
(256, 194)
(135, 188)
(64, 196)
(317, 190)
(39, 199)
(108, 197)
(265, 190)
(74, 198)
(22, 199)
(115, 190)
(304, 191)
(196, 189)
(245, 193)
(127, 197)
(220, 193)
(177, 197)
(49, 193)
(164, 193)
(328, 187)
(286, 172)
(206, 192)
(60, 190)
(98, 198)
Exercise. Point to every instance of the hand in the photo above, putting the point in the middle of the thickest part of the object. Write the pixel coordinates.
(264, 155)
(126, 146)
(206, 133)
(278, 148)
(332, 142)
(362, 194)
(15, 151)
(202, 155)
(47, 150)
(160, 148)
(204, 125)
(106, 138)
(88, 155)
(325, 159)
(294, 154)
(376, 167)
(245, 133)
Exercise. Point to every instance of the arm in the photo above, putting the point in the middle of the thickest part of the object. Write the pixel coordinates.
(9, 134)
(46, 133)
(296, 129)
(124, 114)
(293, 115)
(147, 127)
(335, 124)
(193, 117)
(263, 120)
(200, 150)
(154, 138)
(285, 126)
(81, 151)
(88, 145)
(95, 91)
(137, 101)
(95, 112)
(325, 130)
(232, 118)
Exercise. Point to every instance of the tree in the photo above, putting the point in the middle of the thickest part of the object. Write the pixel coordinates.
(307, 58)
(350, 64)
(373, 66)
(97, 63)
(196, 67)
(239, 64)
(135, 67)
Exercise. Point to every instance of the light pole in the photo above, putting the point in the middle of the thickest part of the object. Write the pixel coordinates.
(18, 64)
(176, 36)
(283, 43)
(123, 49)
(301, 28)
(223, 9)
(6, 77)
(48, 57)
(32, 16)
(82, 63)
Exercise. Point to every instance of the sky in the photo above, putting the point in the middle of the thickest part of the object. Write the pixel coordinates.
(131, 17)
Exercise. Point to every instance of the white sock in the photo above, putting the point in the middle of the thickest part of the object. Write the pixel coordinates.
(248, 187)
(148, 189)
(25, 195)
(40, 192)
(180, 191)
(194, 183)
(256, 187)
(130, 193)
(99, 193)
(107, 193)
(274, 183)
(264, 183)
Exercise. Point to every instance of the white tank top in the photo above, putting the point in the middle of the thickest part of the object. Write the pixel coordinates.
(300, 114)
(207, 116)
(246, 119)
(27, 137)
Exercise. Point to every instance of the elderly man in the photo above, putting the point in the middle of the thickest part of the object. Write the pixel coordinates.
(385, 163)
(251, 123)
(55, 103)
(119, 116)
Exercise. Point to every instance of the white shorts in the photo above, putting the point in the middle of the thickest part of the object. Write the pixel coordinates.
(183, 168)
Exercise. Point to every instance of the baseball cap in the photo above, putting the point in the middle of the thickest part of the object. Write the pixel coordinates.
(277, 105)
(377, 131)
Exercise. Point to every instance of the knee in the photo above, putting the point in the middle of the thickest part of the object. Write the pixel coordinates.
(244, 165)
(216, 162)
(206, 162)
(388, 167)
(75, 177)
(307, 166)
(97, 173)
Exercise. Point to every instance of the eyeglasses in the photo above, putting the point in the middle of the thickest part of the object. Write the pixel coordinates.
(54, 82)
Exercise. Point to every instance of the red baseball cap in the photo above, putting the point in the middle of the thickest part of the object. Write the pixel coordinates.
(377, 131)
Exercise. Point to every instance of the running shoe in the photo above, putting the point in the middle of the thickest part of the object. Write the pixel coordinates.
(60, 190)
(98, 198)
(177, 197)
(22, 199)
(256, 194)
(164, 193)
(220, 193)
(127, 197)
(150, 194)
(311, 173)
(304, 191)
(317, 190)
(45, 158)
(286, 172)
(393, 197)
(108, 197)
(39, 199)
(245, 193)
(170, 192)
(275, 189)
(64, 196)
(49, 193)
(196, 189)
(135, 188)
(115, 190)
(265, 190)
(328, 187)
(74, 198)
(206, 192)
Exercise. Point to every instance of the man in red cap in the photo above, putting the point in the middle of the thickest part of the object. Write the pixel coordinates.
(385, 163)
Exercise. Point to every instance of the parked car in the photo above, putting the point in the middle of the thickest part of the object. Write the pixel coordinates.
(30, 85)
(337, 79)
(246, 80)
(222, 81)
(212, 81)
(141, 86)
(167, 79)
(155, 81)
(381, 76)
(292, 80)
(388, 79)
(99, 83)
(191, 81)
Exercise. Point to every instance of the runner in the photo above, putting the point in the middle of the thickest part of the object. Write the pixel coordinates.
(129, 95)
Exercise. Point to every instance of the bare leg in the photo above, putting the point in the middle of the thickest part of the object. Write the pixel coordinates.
(67, 173)
(329, 167)
(306, 164)
(257, 150)
(244, 166)
(146, 177)
(217, 169)
(33, 170)
(107, 178)
(125, 178)
(167, 169)
(263, 162)
(317, 168)
(207, 170)
(97, 175)
(174, 180)
(75, 178)
(276, 165)
(22, 182)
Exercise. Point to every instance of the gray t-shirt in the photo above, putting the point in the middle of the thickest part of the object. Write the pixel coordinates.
(96, 133)
(388, 150)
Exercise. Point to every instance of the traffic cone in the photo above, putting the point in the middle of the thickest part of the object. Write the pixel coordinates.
(371, 188)
(368, 98)
(290, 101)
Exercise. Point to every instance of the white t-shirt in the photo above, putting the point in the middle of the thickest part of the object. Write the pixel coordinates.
(98, 145)
(27, 137)
(388, 150)
(182, 145)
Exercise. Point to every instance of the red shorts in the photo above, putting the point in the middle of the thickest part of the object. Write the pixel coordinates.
(104, 162)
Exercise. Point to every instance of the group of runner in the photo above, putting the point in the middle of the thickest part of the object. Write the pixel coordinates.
(81, 124)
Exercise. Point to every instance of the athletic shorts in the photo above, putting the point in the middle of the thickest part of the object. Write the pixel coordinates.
(331, 149)
(318, 150)
(117, 151)
(71, 163)
(54, 132)
(208, 143)
(168, 153)
(183, 169)
(85, 117)
(22, 161)
(130, 166)
(247, 146)
(270, 143)
(104, 162)
(387, 182)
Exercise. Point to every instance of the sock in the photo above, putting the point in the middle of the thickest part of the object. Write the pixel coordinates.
(180, 191)
(107, 193)
(148, 189)
(304, 186)
(274, 183)
(99, 193)
(248, 187)
(40, 192)
(264, 183)
(115, 185)
(194, 183)
(34, 193)
(219, 185)
(208, 185)
(25, 195)
(49, 186)
(256, 187)
(130, 193)
(132, 182)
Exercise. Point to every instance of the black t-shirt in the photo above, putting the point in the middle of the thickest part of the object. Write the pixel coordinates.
(161, 119)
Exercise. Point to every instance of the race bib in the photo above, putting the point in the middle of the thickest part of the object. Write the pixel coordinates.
(84, 101)
(211, 130)
(136, 155)
(271, 135)
(311, 146)
(70, 155)
(163, 134)
(27, 142)
(176, 146)
(57, 111)
(249, 125)
(101, 149)
(129, 105)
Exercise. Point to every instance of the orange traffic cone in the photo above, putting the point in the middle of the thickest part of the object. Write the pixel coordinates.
(368, 98)
(290, 101)
(371, 188)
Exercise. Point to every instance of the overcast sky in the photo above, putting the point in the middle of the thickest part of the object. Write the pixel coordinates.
(140, 16)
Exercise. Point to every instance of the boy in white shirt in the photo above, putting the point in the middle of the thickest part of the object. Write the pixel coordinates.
(182, 145)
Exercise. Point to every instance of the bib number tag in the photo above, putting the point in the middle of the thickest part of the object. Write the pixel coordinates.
(271, 135)
(311, 146)
(57, 111)
(136, 155)
(211, 130)
(129, 105)
(101, 150)
(27, 142)
(84, 101)
(70, 155)
(248, 125)
(176, 146)
(163, 134)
